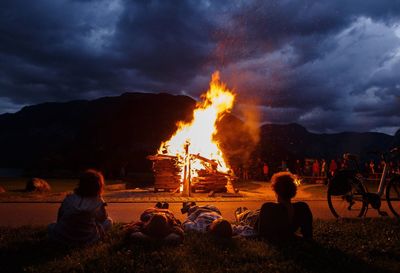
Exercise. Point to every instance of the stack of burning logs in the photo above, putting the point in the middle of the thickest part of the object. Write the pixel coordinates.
(167, 174)
(209, 179)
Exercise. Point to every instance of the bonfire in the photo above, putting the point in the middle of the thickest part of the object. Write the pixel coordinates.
(192, 159)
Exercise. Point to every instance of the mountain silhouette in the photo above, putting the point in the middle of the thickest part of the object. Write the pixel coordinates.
(292, 141)
(114, 132)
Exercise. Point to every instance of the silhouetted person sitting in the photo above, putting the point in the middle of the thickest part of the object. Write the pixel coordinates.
(156, 224)
(82, 217)
(282, 220)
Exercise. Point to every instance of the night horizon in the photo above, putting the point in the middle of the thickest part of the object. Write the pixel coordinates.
(200, 136)
(235, 113)
(330, 67)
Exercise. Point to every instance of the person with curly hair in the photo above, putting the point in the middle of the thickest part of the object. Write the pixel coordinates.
(281, 220)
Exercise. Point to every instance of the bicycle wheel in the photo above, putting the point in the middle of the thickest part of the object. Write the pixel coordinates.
(393, 196)
(350, 204)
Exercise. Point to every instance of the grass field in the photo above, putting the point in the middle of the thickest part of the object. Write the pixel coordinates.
(368, 245)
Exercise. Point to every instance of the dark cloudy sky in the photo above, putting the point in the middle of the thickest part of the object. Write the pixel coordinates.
(329, 65)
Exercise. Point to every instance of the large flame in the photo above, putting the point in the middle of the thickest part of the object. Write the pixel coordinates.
(198, 135)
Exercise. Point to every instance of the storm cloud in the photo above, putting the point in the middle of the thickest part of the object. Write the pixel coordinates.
(328, 65)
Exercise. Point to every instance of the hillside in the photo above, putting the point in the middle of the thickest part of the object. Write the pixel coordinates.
(106, 133)
(112, 132)
(292, 141)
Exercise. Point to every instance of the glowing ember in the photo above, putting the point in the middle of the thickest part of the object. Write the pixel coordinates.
(198, 135)
(297, 180)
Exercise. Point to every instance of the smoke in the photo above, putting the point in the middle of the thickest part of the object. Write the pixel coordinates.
(250, 113)
(239, 133)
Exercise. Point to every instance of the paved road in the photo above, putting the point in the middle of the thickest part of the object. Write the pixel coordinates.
(18, 214)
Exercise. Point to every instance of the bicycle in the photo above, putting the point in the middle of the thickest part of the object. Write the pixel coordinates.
(348, 195)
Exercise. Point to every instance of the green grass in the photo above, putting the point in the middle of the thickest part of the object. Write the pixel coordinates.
(369, 245)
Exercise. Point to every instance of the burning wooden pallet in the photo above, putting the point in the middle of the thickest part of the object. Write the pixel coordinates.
(166, 172)
(208, 181)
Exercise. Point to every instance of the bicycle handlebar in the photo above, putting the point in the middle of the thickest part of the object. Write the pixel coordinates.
(392, 154)
(395, 153)
(349, 156)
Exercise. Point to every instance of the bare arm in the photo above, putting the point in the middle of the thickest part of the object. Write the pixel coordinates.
(60, 211)
(101, 213)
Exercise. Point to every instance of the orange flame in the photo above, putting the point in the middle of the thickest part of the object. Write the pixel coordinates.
(199, 133)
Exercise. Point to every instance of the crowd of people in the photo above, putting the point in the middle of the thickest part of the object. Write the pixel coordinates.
(313, 167)
(83, 219)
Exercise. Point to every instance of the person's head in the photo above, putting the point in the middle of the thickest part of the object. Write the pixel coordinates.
(91, 184)
(284, 186)
(221, 228)
(157, 226)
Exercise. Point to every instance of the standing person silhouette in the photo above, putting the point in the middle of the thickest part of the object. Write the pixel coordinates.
(265, 171)
(332, 167)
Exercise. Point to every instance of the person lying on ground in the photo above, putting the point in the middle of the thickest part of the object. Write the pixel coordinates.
(246, 220)
(208, 219)
(282, 220)
(205, 219)
(82, 217)
(156, 223)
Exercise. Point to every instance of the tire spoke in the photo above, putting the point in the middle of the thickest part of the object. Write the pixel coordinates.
(348, 205)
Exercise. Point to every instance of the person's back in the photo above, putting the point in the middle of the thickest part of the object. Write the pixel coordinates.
(302, 220)
(280, 221)
(82, 217)
(273, 222)
(78, 219)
